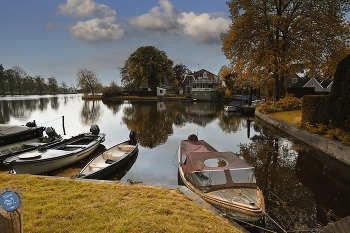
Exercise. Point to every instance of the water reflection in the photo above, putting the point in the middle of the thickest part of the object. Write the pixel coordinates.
(90, 112)
(293, 183)
(152, 124)
(303, 189)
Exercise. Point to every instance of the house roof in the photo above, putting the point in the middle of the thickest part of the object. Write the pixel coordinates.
(201, 72)
(326, 83)
(301, 82)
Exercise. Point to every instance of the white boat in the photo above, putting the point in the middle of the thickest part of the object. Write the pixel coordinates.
(220, 178)
(56, 155)
(110, 160)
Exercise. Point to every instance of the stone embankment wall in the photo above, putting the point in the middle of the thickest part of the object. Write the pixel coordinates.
(329, 146)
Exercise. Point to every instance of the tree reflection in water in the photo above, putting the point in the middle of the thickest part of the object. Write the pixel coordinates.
(286, 173)
(152, 125)
(301, 192)
(90, 112)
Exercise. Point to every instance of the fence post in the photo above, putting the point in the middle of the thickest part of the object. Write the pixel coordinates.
(11, 209)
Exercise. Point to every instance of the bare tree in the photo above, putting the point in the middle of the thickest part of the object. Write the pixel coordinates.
(88, 81)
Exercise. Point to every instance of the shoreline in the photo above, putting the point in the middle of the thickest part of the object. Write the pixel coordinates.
(331, 147)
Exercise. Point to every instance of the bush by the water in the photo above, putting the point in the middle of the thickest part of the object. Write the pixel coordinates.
(288, 103)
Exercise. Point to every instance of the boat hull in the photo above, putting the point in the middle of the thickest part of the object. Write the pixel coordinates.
(98, 168)
(25, 146)
(54, 156)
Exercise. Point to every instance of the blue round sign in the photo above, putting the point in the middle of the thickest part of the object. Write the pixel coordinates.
(9, 201)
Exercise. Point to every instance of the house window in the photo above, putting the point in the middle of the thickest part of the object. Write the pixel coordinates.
(161, 91)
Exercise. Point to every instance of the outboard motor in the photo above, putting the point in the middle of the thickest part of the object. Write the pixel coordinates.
(132, 136)
(31, 124)
(51, 133)
(94, 129)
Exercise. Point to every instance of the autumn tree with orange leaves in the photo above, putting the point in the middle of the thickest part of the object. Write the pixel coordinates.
(269, 40)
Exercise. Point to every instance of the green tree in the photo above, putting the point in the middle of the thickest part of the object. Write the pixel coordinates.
(40, 84)
(277, 39)
(28, 85)
(64, 87)
(11, 80)
(88, 81)
(112, 91)
(19, 75)
(180, 71)
(53, 85)
(147, 65)
(3, 79)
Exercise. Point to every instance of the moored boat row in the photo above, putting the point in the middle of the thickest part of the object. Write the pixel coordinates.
(220, 178)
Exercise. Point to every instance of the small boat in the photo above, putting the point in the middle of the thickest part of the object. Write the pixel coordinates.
(110, 160)
(29, 145)
(15, 133)
(57, 155)
(220, 178)
(234, 106)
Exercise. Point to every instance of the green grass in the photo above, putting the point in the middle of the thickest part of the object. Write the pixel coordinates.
(291, 117)
(64, 205)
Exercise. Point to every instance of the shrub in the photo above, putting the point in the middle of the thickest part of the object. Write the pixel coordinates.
(288, 103)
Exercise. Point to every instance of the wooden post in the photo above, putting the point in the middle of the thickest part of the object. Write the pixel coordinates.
(11, 209)
(64, 130)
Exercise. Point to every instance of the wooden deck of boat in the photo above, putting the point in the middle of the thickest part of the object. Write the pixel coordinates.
(341, 226)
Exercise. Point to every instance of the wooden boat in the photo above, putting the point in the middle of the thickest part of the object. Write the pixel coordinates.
(110, 160)
(221, 178)
(29, 145)
(56, 155)
(15, 133)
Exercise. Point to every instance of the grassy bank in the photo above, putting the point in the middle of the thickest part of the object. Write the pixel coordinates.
(291, 117)
(63, 205)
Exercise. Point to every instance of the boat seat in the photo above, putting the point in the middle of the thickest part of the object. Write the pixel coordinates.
(108, 155)
(126, 148)
(98, 165)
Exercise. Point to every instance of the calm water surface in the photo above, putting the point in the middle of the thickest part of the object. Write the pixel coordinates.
(303, 188)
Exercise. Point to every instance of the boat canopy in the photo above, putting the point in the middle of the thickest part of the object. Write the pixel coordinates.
(228, 169)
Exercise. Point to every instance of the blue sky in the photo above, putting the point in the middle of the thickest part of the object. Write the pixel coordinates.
(56, 38)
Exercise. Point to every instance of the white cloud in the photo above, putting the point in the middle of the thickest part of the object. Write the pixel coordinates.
(163, 17)
(51, 25)
(96, 29)
(79, 8)
(203, 28)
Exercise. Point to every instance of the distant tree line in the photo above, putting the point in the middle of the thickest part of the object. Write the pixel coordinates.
(16, 81)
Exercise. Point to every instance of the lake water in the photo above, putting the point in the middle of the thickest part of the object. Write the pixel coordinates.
(303, 188)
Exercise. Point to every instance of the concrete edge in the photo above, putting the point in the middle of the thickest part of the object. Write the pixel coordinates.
(329, 146)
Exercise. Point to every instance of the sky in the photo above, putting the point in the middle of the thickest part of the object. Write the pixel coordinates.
(56, 38)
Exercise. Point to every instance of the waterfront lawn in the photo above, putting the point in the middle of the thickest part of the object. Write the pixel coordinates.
(64, 205)
(291, 117)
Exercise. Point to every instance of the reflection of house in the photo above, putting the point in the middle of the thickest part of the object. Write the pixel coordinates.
(202, 84)
(303, 86)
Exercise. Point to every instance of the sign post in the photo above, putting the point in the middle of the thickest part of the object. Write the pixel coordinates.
(11, 209)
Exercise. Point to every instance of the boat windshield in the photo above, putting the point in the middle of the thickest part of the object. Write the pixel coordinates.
(236, 177)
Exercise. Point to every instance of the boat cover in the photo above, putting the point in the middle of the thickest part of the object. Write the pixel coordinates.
(236, 171)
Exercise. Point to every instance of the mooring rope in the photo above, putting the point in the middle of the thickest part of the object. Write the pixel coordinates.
(267, 215)
(50, 121)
